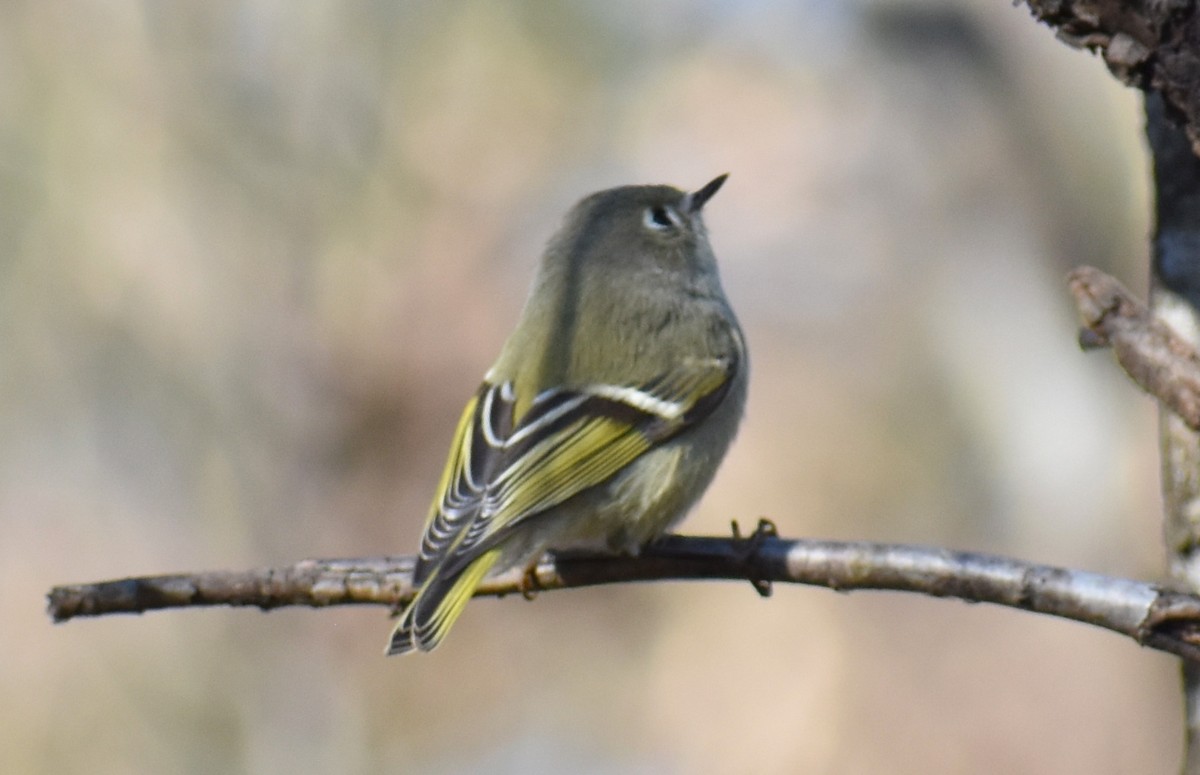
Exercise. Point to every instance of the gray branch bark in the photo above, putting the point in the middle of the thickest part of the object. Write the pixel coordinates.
(1149, 614)
(1154, 355)
(1175, 300)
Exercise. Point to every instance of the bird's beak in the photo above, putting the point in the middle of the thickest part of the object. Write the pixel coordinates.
(695, 200)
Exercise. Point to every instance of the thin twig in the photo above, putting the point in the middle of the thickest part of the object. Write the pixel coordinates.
(1163, 363)
(1149, 614)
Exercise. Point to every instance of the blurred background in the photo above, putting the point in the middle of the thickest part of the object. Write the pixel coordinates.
(256, 255)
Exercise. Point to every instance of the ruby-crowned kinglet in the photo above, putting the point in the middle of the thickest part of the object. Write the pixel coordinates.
(607, 413)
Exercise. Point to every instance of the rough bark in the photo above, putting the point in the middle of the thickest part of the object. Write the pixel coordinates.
(1148, 44)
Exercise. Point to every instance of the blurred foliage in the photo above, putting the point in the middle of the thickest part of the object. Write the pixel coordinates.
(259, 253)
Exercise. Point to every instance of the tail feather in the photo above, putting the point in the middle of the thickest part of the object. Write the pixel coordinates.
(437, 605)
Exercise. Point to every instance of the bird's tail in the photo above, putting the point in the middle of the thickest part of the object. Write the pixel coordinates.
(437, 605)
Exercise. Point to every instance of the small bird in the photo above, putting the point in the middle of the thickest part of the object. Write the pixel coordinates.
(607, 413)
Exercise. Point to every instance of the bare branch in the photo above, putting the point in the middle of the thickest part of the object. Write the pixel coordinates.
(1152, 616)
(1174, 282)
(1163, 363)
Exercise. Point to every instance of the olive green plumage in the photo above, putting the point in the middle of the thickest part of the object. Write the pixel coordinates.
(607, 413)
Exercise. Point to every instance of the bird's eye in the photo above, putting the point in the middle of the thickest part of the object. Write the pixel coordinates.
(660, 218)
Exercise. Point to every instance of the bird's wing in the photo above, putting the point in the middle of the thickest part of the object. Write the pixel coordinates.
(499, 474)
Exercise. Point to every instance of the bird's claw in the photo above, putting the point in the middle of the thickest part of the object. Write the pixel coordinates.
(749, 548)
(530, 585)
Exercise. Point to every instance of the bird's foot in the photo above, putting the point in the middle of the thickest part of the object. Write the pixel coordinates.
(530, 585)
(749, 546)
